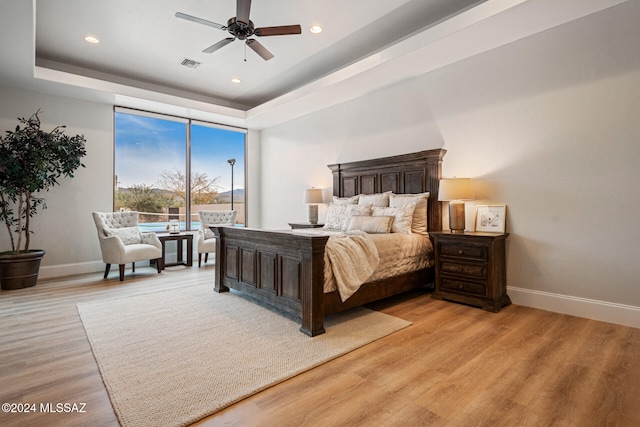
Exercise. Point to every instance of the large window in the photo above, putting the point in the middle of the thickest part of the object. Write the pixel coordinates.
(170, 168)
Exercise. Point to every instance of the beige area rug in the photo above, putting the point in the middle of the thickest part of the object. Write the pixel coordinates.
(171, 358)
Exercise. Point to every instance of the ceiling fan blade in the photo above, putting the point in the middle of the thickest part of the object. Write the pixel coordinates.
(200, 21)
(222, 43)
(242, 11)
(282, 30)
(259, 49)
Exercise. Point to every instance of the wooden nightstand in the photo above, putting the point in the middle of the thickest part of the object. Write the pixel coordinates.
(470, 269)
(295, 225)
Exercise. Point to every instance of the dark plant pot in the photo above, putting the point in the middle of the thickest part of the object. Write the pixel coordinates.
(20, 270)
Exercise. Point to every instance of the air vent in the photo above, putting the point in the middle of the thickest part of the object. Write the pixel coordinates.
(190, 63)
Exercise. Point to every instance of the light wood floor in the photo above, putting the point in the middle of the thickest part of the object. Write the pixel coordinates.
(455, 366)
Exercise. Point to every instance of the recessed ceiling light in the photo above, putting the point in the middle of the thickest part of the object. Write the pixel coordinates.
(315, 29)
(235, 80)
(91, 39)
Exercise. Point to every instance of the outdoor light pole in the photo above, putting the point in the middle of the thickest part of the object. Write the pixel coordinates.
(231, 162)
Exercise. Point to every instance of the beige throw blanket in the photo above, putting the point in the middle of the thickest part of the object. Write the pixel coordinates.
(353, 258)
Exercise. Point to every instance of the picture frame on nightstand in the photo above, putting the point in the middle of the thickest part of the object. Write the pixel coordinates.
(491, 218)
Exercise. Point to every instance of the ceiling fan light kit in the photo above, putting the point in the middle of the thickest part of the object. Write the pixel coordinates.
(241, 28)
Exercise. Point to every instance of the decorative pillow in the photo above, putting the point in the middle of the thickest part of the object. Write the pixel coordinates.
(403, 217)
(208, 234)
(353, 200)
(339, 216)
(371, 224)
(378, 199)
(128, 235)
(335, 216)
(419, 224)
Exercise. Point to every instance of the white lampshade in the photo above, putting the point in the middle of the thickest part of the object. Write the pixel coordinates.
(313, 195)
(455, 189)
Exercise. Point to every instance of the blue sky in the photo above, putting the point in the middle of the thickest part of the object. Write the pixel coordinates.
(147, 146)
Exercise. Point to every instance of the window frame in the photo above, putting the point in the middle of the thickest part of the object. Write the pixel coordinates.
(188, 122)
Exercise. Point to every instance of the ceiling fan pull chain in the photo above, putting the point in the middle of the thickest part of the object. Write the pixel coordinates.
(245, 52)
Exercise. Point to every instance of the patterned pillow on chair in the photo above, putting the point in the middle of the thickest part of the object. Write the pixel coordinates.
(128, 235)
(208, 234)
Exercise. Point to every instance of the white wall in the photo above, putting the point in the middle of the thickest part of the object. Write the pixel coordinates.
(547, 125)
(65, 230)
(252, 195)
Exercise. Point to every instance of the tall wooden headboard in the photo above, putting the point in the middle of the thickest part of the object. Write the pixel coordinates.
(404, 174)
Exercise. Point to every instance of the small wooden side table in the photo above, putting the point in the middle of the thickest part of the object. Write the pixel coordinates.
(178, 238)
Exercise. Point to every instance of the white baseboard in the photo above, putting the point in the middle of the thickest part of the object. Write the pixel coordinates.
(52, 271)
(49, 271)
(620, 314)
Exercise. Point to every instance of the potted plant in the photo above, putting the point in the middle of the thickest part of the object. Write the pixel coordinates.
(31, 161)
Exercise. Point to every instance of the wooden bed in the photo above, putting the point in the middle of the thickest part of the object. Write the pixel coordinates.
(284, 270)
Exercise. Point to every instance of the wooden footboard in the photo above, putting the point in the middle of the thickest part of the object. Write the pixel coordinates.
(285, 271)
(280, 269)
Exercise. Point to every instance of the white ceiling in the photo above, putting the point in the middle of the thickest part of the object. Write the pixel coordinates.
(144, 41)
(365, 45)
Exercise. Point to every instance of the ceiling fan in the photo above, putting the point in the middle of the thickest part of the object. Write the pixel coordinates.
(241, 27)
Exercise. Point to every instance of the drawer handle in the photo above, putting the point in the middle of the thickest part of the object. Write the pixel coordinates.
(459, 286)
(460, 251)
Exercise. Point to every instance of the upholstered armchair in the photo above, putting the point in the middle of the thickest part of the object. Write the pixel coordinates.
(206, 239)
(122, 242)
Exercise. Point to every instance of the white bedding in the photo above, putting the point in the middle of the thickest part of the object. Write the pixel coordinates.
(396, 254)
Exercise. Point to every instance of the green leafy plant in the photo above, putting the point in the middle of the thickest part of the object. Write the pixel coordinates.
(143, 198)
(32, 161)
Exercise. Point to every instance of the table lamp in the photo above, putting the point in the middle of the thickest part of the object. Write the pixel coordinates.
(313, 196)
(174, 226)
(454, 191)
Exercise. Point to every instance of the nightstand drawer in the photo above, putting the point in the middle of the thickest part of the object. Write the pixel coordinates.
(475, 270)
(463, 251)
(478, 289)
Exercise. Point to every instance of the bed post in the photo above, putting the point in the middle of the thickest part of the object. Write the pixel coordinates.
(434, 173)
(220, 262)
(312, 297)
(337, 182)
